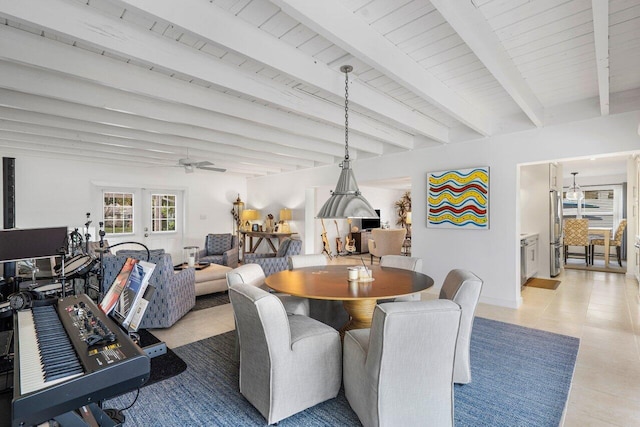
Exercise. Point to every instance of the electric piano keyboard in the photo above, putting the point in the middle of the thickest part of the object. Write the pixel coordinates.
(69, 355)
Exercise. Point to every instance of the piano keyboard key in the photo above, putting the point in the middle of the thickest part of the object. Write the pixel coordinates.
(47, 356)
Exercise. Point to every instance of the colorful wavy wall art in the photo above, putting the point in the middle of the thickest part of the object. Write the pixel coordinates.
(458, 199)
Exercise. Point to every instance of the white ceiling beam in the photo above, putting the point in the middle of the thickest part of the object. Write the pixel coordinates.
(23, 47)
(52, 151)
(26, 79)
(107, 143)
(474, 30)
(600, 10)
(122, 124)
(81, 22)
(152, 142)
(100, 151)
(212, 23)
(333, 21)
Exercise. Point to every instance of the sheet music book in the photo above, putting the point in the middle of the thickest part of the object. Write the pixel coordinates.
(125, 296)
(120, 282)
(133, 294)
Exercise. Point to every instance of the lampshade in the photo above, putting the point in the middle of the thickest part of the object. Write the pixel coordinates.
(346, 201)
(250, 215)
(574, 192)
(407, 218)
(285, 214)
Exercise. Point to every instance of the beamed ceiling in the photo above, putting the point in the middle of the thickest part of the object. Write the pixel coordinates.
(255, 86)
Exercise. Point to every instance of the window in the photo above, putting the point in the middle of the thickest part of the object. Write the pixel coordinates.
(602, 205)
(118, 212)
(163, 212)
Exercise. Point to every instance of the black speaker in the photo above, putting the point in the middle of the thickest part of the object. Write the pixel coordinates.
(9, 192)
(9, 204)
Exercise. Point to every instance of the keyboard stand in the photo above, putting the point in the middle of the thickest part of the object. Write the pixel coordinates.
(90, 416)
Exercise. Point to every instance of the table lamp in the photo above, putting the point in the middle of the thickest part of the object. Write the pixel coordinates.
(285, 215)
(407, 218)
(249, 215)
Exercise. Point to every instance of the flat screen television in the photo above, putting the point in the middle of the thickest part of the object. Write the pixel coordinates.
(369, 223)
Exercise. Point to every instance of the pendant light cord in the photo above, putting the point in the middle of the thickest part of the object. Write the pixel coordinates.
(346, 115)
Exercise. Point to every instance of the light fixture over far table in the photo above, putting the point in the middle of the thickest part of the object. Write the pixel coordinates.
(346, 201)
(574, 192)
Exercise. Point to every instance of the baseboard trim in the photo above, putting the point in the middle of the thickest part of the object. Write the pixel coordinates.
(501, 302)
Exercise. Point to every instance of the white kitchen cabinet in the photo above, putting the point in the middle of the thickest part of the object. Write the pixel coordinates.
(530, 246)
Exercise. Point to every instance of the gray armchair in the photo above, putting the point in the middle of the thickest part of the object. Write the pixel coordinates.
(175, 292)
(273, 263)
(398, 373)
(220, 249)
(287, 363)
(463, 287)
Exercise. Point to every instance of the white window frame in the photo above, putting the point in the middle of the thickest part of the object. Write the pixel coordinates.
(153, 209)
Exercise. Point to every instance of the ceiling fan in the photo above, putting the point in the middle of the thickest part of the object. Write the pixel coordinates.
(191, 165)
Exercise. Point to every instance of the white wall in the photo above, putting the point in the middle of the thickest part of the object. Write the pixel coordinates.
(492, 254)
(58, 192)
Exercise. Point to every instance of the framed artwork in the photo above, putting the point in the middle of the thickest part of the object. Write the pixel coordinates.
(255, 227)
(458, 199)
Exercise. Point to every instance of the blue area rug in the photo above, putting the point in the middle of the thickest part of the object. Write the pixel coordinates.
(521, 377)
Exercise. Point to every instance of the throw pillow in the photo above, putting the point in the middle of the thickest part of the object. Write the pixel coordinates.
(282, 249)
(217, 244)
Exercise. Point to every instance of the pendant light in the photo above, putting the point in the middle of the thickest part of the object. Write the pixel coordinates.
(346, 201)
(574, 192)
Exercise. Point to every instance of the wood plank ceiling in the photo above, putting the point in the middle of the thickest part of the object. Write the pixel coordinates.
(255, 86)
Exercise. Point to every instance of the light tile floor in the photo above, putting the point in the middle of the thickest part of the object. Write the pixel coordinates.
(602, 309)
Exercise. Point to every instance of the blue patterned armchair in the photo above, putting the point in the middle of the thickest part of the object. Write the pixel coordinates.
(220, 249)
(175, 293)
(273, 263)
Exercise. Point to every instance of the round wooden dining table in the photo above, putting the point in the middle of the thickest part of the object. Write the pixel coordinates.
(359, 297)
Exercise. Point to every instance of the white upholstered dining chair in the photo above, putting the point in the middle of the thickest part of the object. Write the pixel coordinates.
(288, 363)
(399, 372)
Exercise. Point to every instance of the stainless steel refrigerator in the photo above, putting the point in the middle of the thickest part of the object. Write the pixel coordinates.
(555, 231)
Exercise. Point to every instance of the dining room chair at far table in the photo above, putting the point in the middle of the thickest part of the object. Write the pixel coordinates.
(405, 263)
(463, 287)
(398, 373)
(288, 363)
(576, 233)
(252, 274)
(329, 312)
(616, 241)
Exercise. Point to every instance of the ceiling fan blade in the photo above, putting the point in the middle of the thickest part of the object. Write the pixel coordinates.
(212, 169)
(203, 163)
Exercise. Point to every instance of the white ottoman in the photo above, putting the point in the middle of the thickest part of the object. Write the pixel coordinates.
(211, 279)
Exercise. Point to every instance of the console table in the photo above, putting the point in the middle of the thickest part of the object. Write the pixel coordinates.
(262, 235)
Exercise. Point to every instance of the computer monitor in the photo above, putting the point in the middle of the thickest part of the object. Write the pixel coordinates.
(18, 244)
